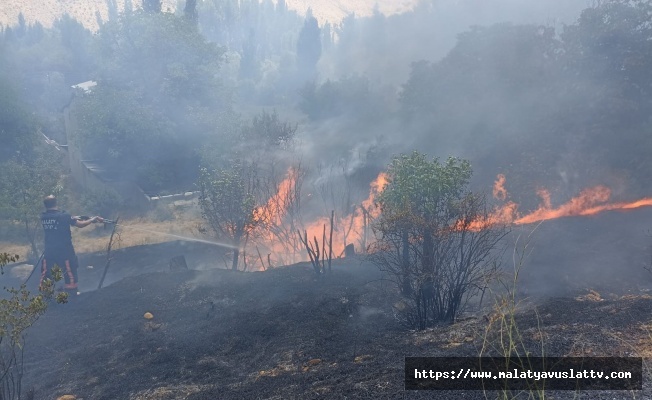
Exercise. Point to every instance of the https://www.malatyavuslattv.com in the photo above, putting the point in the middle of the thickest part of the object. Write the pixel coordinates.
(499, 373)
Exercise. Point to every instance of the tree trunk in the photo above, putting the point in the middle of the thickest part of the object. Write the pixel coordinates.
(428, 268)
(236, 255)
(32, 240)
(190, 11)
(236, 250)
(405, 267)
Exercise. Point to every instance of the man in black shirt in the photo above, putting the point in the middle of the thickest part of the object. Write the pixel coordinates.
(58, 242)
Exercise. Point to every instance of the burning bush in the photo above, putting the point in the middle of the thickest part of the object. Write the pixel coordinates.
(434, 237)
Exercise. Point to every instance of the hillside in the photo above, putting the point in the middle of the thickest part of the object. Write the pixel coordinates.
(285, 334)
(47, 11)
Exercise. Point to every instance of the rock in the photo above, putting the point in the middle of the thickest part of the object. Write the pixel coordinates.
(148, 315)
(349, 250)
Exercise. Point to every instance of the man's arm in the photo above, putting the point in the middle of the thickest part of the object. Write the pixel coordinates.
(84, 223)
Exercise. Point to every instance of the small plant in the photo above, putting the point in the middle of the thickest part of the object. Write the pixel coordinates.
(503, 337)
(322, 257)
(19, 311)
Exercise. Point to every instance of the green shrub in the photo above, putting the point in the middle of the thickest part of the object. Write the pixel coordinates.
(18, 312)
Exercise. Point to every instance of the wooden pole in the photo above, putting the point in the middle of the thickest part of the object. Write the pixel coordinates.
(261, 259)
(323, 250)
(108, 253)
(330, 242)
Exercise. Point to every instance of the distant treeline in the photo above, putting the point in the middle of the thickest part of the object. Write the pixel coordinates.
(556, 107)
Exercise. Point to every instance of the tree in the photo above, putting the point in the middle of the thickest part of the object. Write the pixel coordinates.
(112, 7)
(23, 184)
(152, 6)
(350, 96)
(434, 237)
(607, 54)
(327, 37)
(163, 57)
(77, 48)
(498, 94)
(242, 175)
(228, 200)
(268, 132)
(249, 62)
(30, 170)
(157, 100)
(190, 11)
(308, 47)
(17, 126)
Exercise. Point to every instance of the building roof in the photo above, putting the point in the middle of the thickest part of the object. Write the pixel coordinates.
(85, 86)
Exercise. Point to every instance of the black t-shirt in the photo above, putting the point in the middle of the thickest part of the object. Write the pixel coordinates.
(56, 225)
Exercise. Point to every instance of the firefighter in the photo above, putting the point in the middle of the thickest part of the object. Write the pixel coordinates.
(58, 243)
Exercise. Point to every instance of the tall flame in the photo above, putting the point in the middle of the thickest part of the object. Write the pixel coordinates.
(276, 207)
(590, 201)
(273, 216)
(500, 192)
(353, 228)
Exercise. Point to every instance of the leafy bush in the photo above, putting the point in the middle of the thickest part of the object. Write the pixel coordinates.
(434, 237)
(19, 311)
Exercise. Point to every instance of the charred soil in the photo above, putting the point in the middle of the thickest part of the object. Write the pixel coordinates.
(286, 333)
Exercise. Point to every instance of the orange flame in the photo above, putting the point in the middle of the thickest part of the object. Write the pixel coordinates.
(590, 201)
(500, 192)
(353, 228)
(276, 207)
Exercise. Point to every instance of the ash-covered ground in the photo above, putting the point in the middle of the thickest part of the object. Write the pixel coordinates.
(287, 334)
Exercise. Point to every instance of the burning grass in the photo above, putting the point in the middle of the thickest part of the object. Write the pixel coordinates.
(590, 201)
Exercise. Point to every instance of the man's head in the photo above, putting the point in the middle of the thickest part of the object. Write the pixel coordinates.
(50, 202)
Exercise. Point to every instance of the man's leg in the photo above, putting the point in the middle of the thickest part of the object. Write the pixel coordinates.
(44, 271)
(49, 262)
(70, 274)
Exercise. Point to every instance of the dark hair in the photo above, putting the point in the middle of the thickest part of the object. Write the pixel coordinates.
(50, 201)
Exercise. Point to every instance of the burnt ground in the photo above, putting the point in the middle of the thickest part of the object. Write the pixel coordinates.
(285, 334)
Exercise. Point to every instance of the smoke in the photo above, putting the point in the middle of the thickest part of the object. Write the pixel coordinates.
(467, 78)
(503, 120)
(429, 32)
(569, 256)
(382, 50)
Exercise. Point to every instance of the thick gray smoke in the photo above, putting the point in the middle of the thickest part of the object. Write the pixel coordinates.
(501, 129)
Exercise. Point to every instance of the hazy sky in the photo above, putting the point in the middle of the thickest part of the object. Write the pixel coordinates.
(475, 11)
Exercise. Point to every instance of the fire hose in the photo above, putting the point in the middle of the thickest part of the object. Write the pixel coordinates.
(34, 269)
(86, 218)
